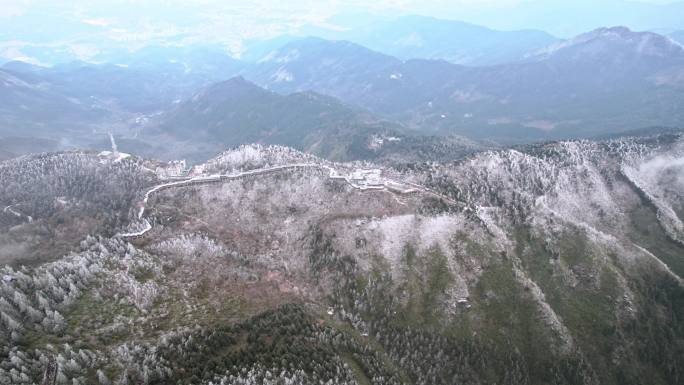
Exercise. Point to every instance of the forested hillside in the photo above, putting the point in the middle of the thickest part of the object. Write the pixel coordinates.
(50, 202)
(556, 263)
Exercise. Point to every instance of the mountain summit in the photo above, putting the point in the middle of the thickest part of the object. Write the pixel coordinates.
(619, 43)
(237, 111)
(412, 37)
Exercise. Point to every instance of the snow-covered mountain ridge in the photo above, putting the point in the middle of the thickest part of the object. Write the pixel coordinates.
(555, 263)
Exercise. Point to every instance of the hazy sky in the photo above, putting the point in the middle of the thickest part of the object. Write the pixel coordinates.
(86, 27)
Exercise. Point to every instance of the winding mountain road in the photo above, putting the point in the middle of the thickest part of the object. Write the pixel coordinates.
(383, 184)
(9, 209)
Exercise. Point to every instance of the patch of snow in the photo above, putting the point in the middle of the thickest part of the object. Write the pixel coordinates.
(282, 75)
(109, 156)
(269, 57)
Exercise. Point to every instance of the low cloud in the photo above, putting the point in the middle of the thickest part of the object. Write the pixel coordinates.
(98, 22)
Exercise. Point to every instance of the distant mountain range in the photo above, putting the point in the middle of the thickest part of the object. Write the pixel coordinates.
(143, 86)
(611, 79)
(406, 37)
(334, 98)
(420, 37)
(412, 37)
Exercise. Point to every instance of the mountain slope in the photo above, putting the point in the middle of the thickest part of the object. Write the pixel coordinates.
(300, 65)
(33, 105)
(557, 263)
(236, 112)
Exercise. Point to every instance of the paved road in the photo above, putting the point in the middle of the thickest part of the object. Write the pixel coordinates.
(11, 210)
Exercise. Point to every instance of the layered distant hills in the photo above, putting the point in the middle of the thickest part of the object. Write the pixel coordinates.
(411, 37)
(333, 97)
(607, 80)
